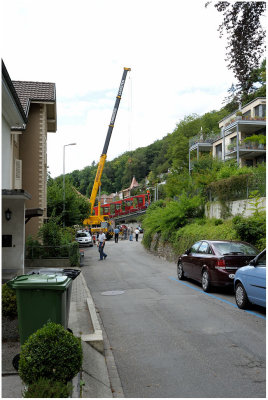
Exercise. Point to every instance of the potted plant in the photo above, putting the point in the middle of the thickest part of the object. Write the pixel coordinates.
(257, 141)
(231, 146)
(238, 115)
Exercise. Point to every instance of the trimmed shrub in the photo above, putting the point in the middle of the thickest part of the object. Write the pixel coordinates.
(46, 388)
(251, 229)
(51, 352)
(189, 234)
(9, 302)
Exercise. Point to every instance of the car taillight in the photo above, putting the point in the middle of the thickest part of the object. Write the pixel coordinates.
(220, 264)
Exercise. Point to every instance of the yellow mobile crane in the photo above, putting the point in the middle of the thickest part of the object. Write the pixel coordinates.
(97, 222)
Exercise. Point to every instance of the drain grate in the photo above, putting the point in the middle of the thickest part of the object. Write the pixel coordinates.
(113, 293)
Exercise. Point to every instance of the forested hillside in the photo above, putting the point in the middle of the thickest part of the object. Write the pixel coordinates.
(169, 153)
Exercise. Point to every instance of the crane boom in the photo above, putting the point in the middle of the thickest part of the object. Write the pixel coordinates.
(97, 181)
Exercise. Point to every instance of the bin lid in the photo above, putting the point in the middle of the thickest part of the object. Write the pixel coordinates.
(40, 281)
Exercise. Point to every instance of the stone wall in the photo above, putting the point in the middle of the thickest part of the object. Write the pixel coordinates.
(162, 250)
(243, 207)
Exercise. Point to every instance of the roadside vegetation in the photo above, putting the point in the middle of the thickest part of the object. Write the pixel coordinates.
(182, 222)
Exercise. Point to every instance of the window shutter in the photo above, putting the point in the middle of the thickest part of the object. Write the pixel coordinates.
(18, 174)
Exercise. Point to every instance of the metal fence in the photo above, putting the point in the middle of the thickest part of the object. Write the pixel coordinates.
(240, 187)
(38, 251)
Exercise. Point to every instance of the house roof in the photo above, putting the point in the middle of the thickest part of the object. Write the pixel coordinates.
(40, 92)
(6, 77)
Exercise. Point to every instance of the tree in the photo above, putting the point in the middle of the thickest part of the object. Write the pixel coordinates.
(245, 39)
(76, 206)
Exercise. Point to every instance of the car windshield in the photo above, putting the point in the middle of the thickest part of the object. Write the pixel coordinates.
(232, 248)
(78, 235)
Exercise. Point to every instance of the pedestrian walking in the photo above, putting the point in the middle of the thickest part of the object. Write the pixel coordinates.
(116, 234)
(101, 244)
(137, 231)
(131, 234)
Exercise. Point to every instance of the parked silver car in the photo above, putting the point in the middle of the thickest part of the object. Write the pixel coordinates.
(84, 238)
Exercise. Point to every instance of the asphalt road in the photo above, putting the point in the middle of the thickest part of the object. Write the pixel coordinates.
(168, 337)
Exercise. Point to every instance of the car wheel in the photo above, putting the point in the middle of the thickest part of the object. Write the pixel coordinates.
(205, 281)
(241, 297)
(180, 271)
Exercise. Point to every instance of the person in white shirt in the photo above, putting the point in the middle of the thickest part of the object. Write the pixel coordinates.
(101, 244)
(137, 231)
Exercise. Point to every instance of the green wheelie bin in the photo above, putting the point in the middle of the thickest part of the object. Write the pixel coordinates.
(40, 298)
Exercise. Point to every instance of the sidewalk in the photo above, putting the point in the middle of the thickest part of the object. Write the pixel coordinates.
(97, 357)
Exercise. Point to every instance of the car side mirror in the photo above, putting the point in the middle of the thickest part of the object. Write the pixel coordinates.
(253, 262)
(188, 251)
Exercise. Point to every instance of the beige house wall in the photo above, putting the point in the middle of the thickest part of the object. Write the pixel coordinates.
(32, 152)
(250, 106)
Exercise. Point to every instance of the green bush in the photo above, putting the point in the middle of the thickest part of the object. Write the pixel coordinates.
(189, 234)
(168, 219)
(9, 302)
(51, 352)
(74, 254)
(251, 229)
(46, 388)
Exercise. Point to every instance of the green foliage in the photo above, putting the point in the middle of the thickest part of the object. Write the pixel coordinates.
(259, 139)
(211, 229)
(74, 254)
(76, 206)
(251, 229)
(47, 388)
(50, 233)
(229, 189)
(242, 22)
(255, 202)
(166, 220)
(55, 241)
(9, 302)
(33, 248)
(51, 352)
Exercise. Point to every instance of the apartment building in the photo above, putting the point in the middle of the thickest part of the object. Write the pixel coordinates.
(242, 137)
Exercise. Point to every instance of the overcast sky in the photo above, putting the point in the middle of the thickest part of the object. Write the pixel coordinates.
(172, 47)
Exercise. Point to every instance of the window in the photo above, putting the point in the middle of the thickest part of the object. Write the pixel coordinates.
(247, 114)
(231, 248)
(249, 163)
(262, 260)
(204, 248)
(260, 110)
(219, 151)
(194, 248)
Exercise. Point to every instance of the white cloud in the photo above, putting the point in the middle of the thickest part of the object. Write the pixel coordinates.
(173, 48)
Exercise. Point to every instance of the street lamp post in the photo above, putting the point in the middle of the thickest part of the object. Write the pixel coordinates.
(70, 144)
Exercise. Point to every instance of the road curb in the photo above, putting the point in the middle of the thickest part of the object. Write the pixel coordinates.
(94, 339)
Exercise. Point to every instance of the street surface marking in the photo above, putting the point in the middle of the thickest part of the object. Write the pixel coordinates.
(215, 297)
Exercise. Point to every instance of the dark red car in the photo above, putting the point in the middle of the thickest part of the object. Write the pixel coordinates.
(214, 262)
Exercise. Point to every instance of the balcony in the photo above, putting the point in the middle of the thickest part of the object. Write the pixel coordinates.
(204, 141)
(249, 150)
(245, 124)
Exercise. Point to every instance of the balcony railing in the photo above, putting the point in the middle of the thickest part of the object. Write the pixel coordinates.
(246, 146)
(208, 138)
(244, 118)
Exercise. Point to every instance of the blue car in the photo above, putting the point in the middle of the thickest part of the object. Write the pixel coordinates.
(250, 283)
